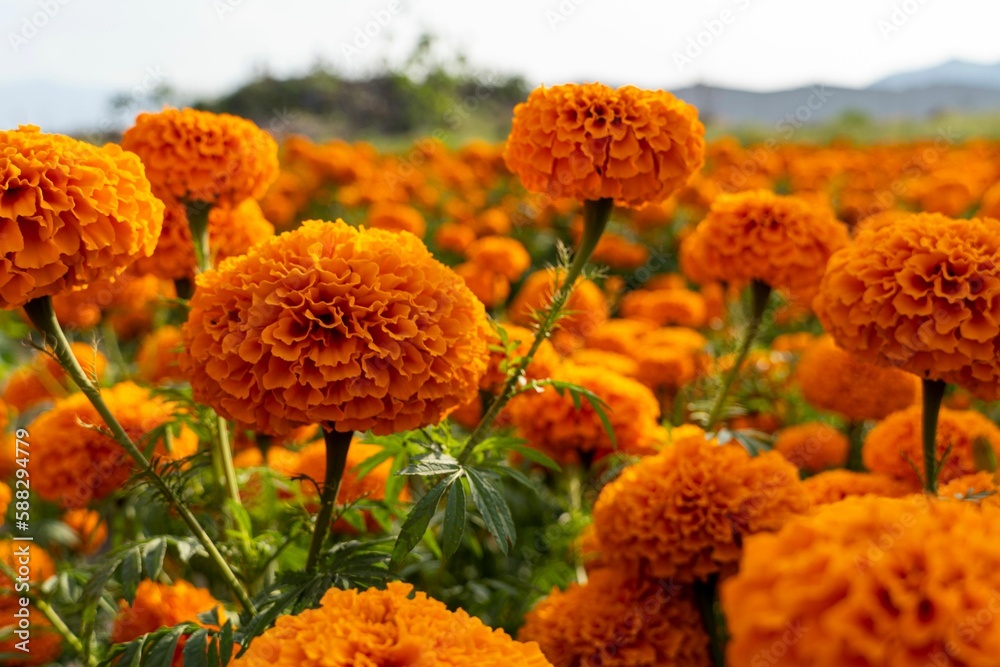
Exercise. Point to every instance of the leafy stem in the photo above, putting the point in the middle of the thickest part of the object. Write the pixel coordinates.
(337, 445)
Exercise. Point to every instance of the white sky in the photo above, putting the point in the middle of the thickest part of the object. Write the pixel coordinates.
(211, 45)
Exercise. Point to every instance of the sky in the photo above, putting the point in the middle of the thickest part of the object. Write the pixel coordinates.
(210, 46)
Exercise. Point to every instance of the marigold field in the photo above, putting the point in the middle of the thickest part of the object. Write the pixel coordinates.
(605, 394)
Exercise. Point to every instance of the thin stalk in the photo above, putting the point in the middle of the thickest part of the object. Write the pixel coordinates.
(576, 474)
(933, 391)
(854, 460)
(224, 452)
(596, 214)
(337, 445)
(197, 215)
(706, 594)
(760, 294)
(43, 317)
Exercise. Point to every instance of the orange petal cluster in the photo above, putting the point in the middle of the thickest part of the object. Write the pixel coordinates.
(587, 307)
(362, 329)
(43, 378)
(812, 446)
(594, 142)
(831, 486)
(70, 214)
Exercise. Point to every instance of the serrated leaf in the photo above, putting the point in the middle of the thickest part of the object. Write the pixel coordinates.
(185, 550)
(162, 652)
(132, 655)
(517, 476)
(431, 464)
(418, 519)
(196, 649)
(535, 456)
(153, 554)
(131, 573)
(493, 508)
(454, 519)
(210, 617)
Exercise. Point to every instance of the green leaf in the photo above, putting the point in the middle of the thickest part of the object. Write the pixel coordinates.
(599, 406)
(492, 507)
(153, 554)
(162, 652)
(133, 654)
(984, 456)
(196, 649)
(517, 476)
(431, 464)
(131, 573)
(535, 456)
(419, 518)
(373, 462)
(226, 643)
(240, 515)
(454, 519)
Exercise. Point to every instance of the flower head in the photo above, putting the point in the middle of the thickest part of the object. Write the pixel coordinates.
(594, 142)
(201, 156)
(893, 447)
(84, 463)
(683, 512)
(666, 306)
(812, 446)
(376, 627)
(835, 380)
(784, 242)
(831, 486)
(870, 581)
(328, 323)
(396, 218)
(70, 214)
(587, 308)
(500, 254)
(43, 379)
(921, 294)
(615, 620)
(158, 358)
(89, 529)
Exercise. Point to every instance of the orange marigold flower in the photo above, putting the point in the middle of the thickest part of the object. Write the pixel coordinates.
(4, 416)
(669, 358)
(500, 254)
(164, 606)
(616, 620)
(396, 218)
(362, 329)
(6, 495)
(201, 156)
(46, 642)
(543, 364)
(127, 302)
(70, 214)
(758, 235)
(920, 294)
(870, 581)
(82, 463)
(618, 335)
(893, 447)
(835, 380)
(588, 309)
(979, 487)
(683, 512)
(612, 361)
(594, 142)
(376, 627)
(832, 486)
(793, 343)
(489, 287)
(311, 462)
(550, 421)
(158, 358)
(90, 529)
(813, 446)
(454, 237)
(40, 566)
(43, 378)
(666, 306)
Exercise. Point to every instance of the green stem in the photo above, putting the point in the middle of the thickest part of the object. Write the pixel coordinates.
(854, 458)
(224, 452)
(197, 215)
(760, 294)
(596, 214)
(184, 288)
(43, 317)
(707, 594)
(576, 473)
(933, 391)
(337, 445)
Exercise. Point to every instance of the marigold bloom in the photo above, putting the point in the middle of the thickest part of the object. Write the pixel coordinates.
(70, 214)
(82, 463)
(376, 627)
(894, 446)
(832, 486)
(619, 334)
(683, 512)
(594, 142)
(870, 581)
(46, 642)
(6, 495)
(612, 361)
(362, 329)
(500, 254)
(980, 487)
(158, 358)
(43, 378)
(543, 364)
(920, 294)
(669, 358)
(396, 218)
(550, 421)
(201, 156)
(836, 380)
(40, 567)
(454, 237)
(489, 287)
(813, 446)
(615, 620)
(588, 309)
(666, 306)
(4, 416)
(91, 531)
(784, 242)
(793, 343)
(127, 302)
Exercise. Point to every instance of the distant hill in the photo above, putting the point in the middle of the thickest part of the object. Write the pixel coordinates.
(951, 73)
